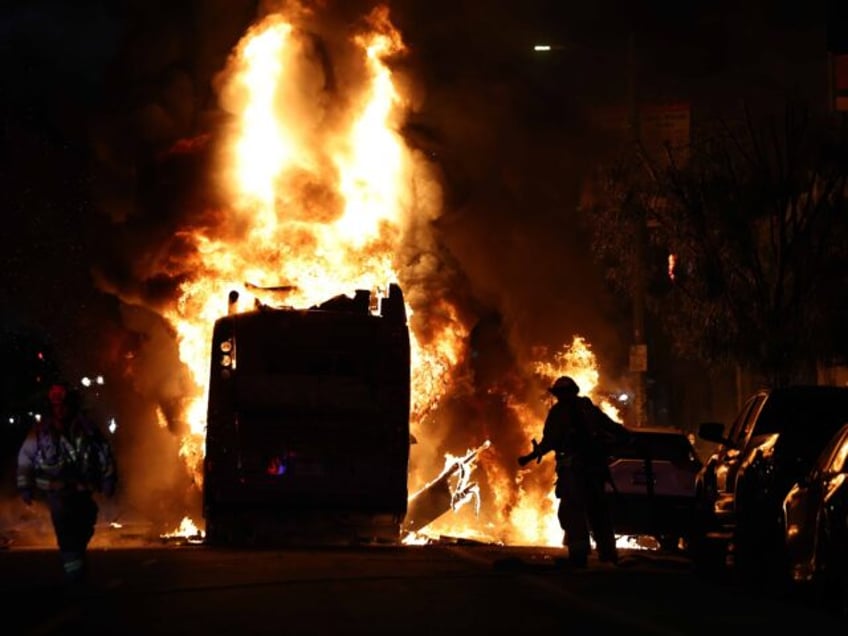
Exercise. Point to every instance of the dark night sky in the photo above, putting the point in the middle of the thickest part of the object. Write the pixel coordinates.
(93, 90)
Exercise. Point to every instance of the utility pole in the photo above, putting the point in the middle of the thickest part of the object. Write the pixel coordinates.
(639, 347)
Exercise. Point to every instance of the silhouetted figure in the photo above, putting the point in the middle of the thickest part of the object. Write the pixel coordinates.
(582, 470)
(64, 460)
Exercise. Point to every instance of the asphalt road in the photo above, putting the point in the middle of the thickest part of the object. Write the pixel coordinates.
(442, 588)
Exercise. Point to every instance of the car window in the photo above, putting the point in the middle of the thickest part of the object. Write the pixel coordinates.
(796, 411)
(745, 422)
(806, 421)
(740, 418)
(837, 452)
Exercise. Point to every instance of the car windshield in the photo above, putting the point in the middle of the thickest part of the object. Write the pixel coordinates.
(805, 418)
(671, 446)
(804, 408)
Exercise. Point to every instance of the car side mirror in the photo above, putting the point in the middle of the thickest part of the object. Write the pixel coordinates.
(714, 432)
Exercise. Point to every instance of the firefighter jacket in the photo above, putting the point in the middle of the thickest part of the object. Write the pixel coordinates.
(569, 433)
(77, 458)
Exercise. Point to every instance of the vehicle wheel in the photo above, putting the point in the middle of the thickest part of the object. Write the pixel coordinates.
(841, 600)
(709, 557)
(832, 580)
(759, 556)
(749, 562)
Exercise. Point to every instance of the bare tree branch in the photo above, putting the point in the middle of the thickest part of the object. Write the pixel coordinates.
(758, 219)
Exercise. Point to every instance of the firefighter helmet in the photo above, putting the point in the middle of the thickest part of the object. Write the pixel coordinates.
(564, 385)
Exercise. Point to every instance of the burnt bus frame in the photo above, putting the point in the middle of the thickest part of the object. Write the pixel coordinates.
(331, 397)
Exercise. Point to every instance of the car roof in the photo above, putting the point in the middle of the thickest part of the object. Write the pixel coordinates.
(808, 388)
(804, 416)
(655, 430)
(804, 407)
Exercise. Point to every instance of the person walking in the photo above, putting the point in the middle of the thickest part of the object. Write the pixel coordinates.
(574, 431)
(64, 460)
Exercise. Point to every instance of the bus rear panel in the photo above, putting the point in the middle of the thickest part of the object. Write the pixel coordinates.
(308, 424)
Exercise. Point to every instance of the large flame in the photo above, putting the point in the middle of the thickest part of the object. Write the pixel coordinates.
(523, 510)
(316, 192)
(322, 189)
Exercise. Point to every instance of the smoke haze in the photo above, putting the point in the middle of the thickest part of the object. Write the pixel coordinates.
(114, 154)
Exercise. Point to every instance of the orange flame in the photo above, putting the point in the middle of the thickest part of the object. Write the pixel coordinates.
(322, 194)
(523, 509)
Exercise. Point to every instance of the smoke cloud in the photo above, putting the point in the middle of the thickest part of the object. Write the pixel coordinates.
(495, 235)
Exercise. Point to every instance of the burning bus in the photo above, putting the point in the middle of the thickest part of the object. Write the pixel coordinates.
(308, 423)
(303, 420)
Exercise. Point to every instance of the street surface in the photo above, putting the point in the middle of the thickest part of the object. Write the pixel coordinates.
(452, 587)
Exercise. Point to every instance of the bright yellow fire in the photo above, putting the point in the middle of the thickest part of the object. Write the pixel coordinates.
(524, 507)
(321, 194)
(316, 193)
(186, 529)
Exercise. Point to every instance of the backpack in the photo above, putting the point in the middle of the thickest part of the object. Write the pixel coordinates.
(96, 461)
(604, 431)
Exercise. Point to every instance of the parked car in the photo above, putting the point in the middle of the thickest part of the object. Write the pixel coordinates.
(653, 485)
(772, 444)
(815, 515)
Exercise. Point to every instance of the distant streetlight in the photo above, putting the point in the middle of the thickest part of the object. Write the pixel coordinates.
(87, 381)
(543, 47)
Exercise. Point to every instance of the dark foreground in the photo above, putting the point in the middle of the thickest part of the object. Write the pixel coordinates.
(446, 588)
